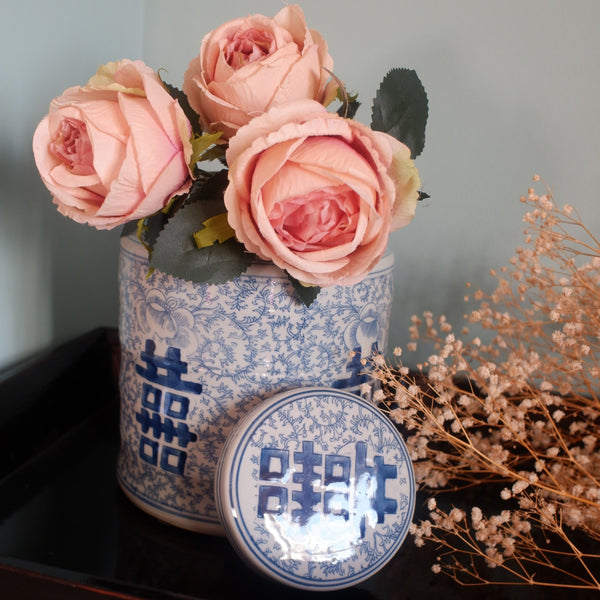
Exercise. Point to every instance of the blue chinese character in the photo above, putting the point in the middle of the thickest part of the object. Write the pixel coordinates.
(173, 460)
(268, 492)
(377, 475)
(358, 374)
(151, 397)
(337, 477)
(176, 406)
(307, 497)
(167, 428)
(148, 450)
(274, 464)
(172, 364)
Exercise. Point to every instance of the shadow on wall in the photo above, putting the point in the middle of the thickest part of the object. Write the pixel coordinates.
(25, 301)
(59, 278)
(84, 286)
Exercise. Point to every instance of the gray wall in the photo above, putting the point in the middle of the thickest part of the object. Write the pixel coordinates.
(513, 88)
(58, 279)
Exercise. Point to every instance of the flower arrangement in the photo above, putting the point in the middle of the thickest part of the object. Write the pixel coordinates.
(313, 191)
(513, 414)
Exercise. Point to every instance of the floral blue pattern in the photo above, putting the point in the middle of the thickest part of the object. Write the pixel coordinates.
(315, 488)
(242, 342)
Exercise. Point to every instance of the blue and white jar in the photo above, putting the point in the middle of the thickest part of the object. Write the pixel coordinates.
(196, 358)
(315, 489)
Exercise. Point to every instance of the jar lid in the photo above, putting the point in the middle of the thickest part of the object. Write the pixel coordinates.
(315, 488)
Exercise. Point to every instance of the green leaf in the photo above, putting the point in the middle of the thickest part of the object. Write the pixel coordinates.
(215, 153)
(129, 228)
(400, 109)
(216, 229)
(350, 103)
(306, 293)
(151, 228)
(175, 251)
(189, 112)
(201, 145)
(348, 110)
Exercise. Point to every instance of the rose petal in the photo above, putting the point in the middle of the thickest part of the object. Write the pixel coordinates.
(247, 66)
(152, 147)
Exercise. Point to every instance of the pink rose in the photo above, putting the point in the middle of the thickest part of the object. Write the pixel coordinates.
(318, 194)
(115, 150)
(248, 65)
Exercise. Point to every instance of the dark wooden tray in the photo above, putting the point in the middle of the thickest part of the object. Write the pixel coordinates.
(67, 531)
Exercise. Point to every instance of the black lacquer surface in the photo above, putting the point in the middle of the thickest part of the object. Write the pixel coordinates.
(67, 531)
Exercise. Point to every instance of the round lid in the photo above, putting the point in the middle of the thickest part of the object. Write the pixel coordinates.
(315, 488)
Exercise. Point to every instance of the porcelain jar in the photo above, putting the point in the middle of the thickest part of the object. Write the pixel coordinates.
(196, 358)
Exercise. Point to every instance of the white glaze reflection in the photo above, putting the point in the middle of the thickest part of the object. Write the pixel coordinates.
(323, 539)
(326, 536)
(323, 487)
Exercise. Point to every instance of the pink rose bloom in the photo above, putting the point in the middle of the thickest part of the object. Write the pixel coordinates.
(318, 194)
(115, 150)
(248, 65)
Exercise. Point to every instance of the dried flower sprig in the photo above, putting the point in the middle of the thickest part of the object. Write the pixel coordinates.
(514, 412)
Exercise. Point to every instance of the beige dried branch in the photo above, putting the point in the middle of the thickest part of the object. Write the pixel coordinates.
(517, 412)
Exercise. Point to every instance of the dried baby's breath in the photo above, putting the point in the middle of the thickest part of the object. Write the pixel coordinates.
(515, 410)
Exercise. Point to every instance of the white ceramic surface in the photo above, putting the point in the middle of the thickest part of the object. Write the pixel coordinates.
(196, 358)
(316, 489)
